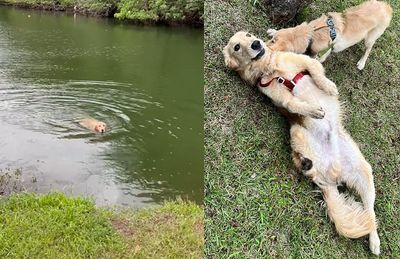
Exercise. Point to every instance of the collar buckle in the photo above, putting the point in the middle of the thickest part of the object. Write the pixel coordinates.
(280, 79)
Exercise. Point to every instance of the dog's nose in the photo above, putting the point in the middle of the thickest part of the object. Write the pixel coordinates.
(102, 131)
(256, 45)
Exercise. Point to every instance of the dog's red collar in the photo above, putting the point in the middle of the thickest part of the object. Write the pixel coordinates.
(290, 84)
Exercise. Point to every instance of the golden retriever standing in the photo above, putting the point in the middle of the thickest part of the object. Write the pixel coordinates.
(93, 125)
(322, 149)
(335, 32)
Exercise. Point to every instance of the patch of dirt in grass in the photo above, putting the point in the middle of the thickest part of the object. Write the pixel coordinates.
(10, 182)
(199, 227)
(123, 227)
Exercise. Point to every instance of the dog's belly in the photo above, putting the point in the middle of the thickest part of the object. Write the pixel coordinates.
(342, 43)
(349, 154)
(309, 92)
(323, 133)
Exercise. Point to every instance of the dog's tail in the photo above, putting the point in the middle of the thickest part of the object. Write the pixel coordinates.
(350, 218)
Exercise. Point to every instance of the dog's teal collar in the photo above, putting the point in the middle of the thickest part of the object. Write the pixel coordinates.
(332, 33)
(332, 30)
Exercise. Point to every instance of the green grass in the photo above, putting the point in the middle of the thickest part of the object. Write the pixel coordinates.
(56, 226)
(174, 230)
(257, 205)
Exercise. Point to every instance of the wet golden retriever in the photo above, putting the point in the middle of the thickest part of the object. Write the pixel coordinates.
(335, 32)
(322, 149)
(93, 125)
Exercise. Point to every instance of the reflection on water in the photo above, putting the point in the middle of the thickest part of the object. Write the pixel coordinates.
(144, 82)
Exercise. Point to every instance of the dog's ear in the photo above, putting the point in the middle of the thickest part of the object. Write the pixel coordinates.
(271, 32)
(229, 61)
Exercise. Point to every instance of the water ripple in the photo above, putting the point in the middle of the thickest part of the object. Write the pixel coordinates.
(58, 106)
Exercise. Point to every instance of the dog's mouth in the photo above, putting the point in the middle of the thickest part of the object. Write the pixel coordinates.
(260, 54)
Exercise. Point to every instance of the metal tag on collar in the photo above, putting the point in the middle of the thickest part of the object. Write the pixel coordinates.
(330, 21)
(332, 33)
(280, 80)
(332, 30)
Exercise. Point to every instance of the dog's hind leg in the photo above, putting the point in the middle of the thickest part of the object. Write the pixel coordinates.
(303, 157)
(369, 41)
(358, 175)
(362, 181)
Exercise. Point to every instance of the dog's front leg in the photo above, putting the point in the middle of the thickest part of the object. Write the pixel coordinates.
(283, 98)
(317, 73)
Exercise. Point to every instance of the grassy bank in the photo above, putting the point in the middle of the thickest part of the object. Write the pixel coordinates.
(55, 226)
(257, 206)
(171, 12)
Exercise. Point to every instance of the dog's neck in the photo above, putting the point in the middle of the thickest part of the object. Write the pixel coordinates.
(256, 69)
(319, 37)
(309, 39)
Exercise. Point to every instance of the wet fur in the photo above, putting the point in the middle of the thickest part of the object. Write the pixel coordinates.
(322, 149)
(93, 125)
(365, 22)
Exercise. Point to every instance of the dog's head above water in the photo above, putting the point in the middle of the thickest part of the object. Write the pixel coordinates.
(100, 127)
(242, 49)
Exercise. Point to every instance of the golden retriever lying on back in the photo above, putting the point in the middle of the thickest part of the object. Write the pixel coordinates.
(335, 32)
(322, 149)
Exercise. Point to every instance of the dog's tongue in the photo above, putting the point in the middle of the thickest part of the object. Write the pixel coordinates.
(260, 54)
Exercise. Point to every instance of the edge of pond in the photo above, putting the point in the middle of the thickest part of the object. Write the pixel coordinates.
(103, 13)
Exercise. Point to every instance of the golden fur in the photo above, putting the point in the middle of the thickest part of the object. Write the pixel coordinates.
(93, 125)
(322, 149)
(363, 22)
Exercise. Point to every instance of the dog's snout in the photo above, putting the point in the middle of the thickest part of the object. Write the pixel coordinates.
(256, 45)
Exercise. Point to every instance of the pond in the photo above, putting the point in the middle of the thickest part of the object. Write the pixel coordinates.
(145, 82)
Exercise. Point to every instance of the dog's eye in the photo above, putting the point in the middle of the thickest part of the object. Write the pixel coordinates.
(248, 35)
(237, 47)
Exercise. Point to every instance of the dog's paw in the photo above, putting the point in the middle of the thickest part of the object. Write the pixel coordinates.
(374, 243)
(317, 113)
(360, 64)
(306, 164)
(330, 88)
(271, 32)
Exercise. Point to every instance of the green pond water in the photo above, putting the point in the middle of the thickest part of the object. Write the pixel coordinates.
(146, 83)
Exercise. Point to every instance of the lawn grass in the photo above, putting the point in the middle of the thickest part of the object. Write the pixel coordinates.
(257, 205)
(56, 226)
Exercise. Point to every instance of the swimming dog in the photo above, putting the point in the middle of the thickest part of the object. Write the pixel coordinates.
(93, 125)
